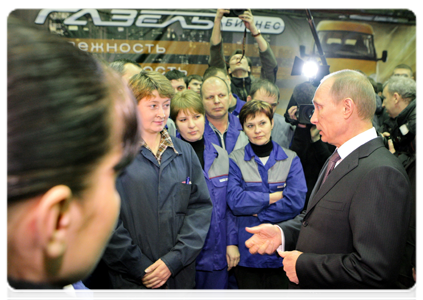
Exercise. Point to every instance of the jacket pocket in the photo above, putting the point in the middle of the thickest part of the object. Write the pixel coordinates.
(220, 182)
(218, 196)
(334, 205)
(276, 186)
(182, 198)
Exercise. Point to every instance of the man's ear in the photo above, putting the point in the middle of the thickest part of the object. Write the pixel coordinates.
(53, 220)
(396, 97)
(232, 100)
(249, 98)
(348, 107)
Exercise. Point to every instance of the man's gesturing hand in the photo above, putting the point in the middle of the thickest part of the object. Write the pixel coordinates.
(266, 239)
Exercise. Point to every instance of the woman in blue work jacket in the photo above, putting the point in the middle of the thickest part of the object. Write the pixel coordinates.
(220, 252)
(266, 185)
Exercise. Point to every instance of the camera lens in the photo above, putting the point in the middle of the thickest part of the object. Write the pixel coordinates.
(309, 112)
(238, 12)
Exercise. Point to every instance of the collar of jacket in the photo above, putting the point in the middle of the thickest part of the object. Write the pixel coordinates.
(239, 104)
(277, 150)
(240, 82)
(210, 153)
(404, 115)
(234, 121)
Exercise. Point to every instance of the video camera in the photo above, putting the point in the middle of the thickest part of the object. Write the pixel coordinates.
(303, 96)
(304, 113)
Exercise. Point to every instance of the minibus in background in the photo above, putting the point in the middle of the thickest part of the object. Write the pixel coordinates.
(349, 45)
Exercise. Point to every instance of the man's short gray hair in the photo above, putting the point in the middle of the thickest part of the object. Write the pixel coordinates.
(356, 86)
(404, 86)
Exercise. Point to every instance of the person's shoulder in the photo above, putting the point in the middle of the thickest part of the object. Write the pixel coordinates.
(282, 152)
(288, 152)
(234, 122)
(415, 106)
(179, 144)
(278, 116)
(232, 118)
(222, 154)
(380, 156)
(237, 152)
(171, 127)
(280, 121)
(214, 146)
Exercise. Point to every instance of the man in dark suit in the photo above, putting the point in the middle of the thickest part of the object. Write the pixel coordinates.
(352, 234)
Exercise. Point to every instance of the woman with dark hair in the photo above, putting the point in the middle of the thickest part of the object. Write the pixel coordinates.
(72, 125)
(266, 185)
(220, 252)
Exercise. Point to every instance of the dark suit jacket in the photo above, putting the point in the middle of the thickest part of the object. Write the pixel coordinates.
(353, 232)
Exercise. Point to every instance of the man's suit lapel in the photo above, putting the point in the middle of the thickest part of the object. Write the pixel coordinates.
(345, 166)
(319, 179)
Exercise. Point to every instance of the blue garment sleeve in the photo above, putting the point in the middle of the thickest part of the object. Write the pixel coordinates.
(231, 228)
(240, 201)
(293, 197)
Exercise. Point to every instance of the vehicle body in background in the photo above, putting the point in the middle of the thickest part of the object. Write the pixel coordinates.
(349, 45)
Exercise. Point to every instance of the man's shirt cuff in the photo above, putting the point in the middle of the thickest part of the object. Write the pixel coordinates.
(282, 246)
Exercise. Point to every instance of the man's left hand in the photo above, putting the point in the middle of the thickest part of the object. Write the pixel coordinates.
(390, 142)
(248, 19)
(289, 263)
(391, 146)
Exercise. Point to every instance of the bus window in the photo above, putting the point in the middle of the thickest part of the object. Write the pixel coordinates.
(347, 44)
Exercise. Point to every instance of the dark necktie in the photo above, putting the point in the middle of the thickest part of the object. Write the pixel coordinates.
(331, 164)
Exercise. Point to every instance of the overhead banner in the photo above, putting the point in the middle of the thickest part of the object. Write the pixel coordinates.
(162, 40)
(154, 19)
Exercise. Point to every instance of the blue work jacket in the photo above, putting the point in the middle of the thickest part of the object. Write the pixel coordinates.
(223, 230)
(235, 137)
(239, 104)
(251, 182)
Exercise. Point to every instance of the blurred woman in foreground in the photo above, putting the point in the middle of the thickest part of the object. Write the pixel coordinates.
(72, 125)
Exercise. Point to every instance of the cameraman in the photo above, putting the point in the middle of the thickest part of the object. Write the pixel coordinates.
(306, 142)
(240, 69)
(400, 104)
